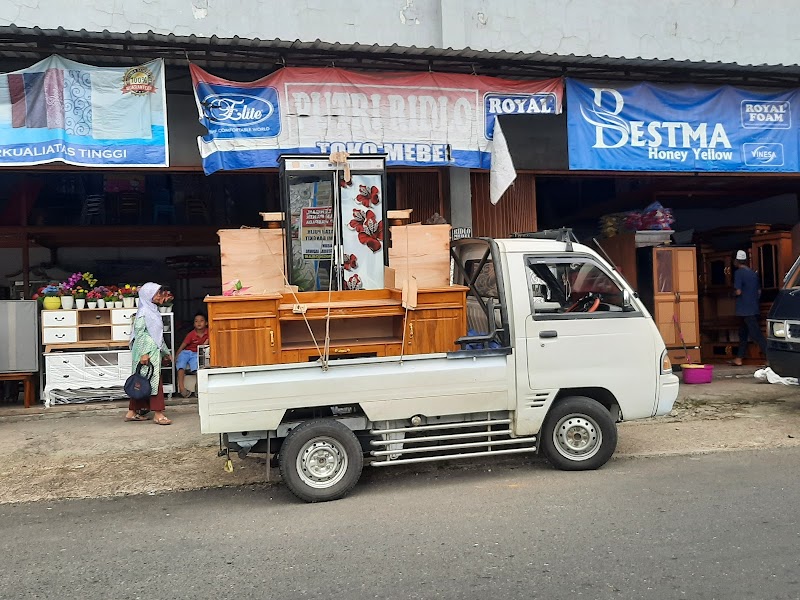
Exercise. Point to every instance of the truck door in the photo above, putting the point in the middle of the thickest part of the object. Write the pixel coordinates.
(580, 333)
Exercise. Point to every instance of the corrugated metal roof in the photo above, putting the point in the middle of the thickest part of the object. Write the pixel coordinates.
(255, 54)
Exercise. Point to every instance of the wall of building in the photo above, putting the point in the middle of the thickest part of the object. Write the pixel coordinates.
(740, 31)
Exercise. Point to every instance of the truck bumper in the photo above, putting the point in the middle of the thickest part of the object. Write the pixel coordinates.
(667, 393)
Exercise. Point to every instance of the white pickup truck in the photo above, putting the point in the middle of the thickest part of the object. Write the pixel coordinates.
(559, 350)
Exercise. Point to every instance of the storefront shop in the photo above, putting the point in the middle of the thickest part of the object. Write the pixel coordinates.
(708, 169)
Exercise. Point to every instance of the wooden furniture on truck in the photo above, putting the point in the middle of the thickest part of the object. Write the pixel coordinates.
(272, 329)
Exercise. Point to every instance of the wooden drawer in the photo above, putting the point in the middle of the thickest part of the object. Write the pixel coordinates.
(123, 316)
(121, 333)
(344, 351)
(60, 335)
(59, 318)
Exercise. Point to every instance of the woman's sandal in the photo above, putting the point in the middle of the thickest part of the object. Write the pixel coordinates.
(162, 421)
(137, 418)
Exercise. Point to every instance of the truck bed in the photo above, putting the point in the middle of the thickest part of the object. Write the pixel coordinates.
(241, 399)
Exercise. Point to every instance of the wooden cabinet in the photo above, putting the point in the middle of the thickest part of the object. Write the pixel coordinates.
(669, 286)
(439, 319)
(254, 330)
(772, 257)
(432, 331)
(243, 330)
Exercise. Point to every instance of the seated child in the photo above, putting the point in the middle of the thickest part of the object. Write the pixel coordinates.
(187, 353)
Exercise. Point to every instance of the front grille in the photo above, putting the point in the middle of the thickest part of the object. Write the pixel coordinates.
(793, 330)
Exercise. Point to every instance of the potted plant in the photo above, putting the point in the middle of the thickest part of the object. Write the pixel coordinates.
(112, 296)
(90, 280)
(127, 293)
(68, 289)
(166, 305)
(49, 296)
(93, 297)
(100, 295)
(79, 293)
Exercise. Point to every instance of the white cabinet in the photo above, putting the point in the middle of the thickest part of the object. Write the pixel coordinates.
(94, 368)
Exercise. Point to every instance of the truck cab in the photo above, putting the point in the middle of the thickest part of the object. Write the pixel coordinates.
(557, 350)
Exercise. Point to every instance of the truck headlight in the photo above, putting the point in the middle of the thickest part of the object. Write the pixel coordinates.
(778, 329)
(666, 364)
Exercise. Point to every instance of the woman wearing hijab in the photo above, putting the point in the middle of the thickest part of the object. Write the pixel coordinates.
(148, 347)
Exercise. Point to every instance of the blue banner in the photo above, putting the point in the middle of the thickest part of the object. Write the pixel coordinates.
(62, 110)
(648, 127)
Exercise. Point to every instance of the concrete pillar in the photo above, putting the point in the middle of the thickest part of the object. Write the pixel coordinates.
(460, 197)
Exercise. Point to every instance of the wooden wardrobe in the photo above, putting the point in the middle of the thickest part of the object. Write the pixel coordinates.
(667, 278)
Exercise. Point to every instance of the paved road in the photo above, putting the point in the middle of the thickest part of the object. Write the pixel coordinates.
(713, 526)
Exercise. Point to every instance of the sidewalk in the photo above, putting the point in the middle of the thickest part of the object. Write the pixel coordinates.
(62, 452)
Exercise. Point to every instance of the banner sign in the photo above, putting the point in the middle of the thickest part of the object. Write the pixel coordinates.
(426, 119)
(647, 127)
(61, 110)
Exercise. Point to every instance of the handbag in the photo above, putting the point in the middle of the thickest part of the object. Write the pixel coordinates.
(137, 386)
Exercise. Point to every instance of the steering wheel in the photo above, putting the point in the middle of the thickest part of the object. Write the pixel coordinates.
(588, 304)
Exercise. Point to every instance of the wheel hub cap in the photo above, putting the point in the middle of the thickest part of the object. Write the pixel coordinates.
(577, 437)
(321, 463)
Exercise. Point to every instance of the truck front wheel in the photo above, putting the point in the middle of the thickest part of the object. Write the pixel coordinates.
(321, 460)
(579, 434)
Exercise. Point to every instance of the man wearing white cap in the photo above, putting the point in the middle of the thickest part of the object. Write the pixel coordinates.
(748, 293)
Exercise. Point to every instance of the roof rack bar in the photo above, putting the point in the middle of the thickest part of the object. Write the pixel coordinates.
(564, 235)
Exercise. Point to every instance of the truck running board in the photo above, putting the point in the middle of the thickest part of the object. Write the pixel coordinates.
(421, 459)
(448, 441)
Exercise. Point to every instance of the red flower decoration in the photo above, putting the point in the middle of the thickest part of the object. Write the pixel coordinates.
(350, 262)
(357, 224)
(367, 196)
(371, 232)
(354, 283)
(345, 184)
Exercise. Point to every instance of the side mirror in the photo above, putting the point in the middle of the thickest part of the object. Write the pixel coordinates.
(627, 299)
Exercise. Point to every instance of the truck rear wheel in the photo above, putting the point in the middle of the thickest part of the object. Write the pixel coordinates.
(579, 434)
(321, 460)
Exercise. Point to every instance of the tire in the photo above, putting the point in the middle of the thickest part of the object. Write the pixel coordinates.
(320, 460)
(593, 436)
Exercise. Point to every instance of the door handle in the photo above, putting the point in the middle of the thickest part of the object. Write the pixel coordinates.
(548, 334)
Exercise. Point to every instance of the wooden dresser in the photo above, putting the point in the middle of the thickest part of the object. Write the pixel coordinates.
(271, 329)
